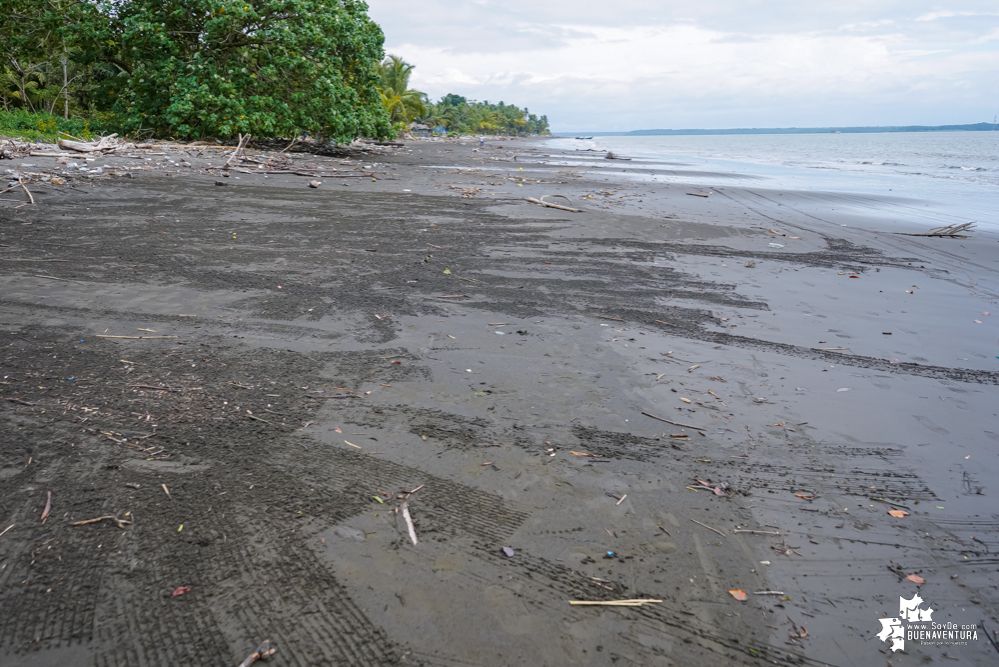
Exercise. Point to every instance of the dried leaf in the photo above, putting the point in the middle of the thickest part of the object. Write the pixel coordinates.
(916, 579)
(719, 491)
(180, 590)
(738, 594)
(898, 513)
(806, 496)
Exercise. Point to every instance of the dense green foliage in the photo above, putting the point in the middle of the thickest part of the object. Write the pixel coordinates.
(453, 112)
(402, 103)
(198, 68)
(461, 116)
(45, 126)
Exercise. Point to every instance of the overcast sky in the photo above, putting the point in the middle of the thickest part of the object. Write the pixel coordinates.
(640, 64)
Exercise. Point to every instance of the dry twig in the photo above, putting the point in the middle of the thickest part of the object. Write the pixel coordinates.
(696, 428)
(708, 527)
(121, 522)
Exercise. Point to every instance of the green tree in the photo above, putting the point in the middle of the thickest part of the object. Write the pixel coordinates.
(402, 103)
(195, 68)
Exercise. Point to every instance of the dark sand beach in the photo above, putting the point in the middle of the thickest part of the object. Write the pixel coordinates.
(645, 400)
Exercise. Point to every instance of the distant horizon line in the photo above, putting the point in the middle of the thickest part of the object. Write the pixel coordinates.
(973, 127)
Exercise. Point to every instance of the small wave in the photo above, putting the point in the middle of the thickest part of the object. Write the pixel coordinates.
(951, 166)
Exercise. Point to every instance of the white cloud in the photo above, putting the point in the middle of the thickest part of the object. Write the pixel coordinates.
(716, 65)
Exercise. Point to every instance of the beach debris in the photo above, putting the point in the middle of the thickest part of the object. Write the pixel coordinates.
(48, 507)
(541, 202)
(784, 549)
(614, 603)
(106, 144)
(757, 532)
(6, 529)
(694, 194)
(262, 652)
(240, 147)
(916, 579)
(612, 156)
(843, 389)
(750, 265)
(180, 590)
(898, 514)
(409, 522)
(166, 491)
(696, 428)
(121, 522)
(951, 231)
(774, 231)
(509, 552)
(768, 592)
(738, 594)
(708, 527)
(717, 489)
(776, 245)
(620, 500)
(595, 456)
(19, 184)
(314, 184)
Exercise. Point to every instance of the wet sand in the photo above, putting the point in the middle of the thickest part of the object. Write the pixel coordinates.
(312, 356)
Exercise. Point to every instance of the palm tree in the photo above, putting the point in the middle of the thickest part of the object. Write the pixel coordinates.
(402, 103)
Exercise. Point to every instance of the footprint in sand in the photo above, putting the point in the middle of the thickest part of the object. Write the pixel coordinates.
(928, 423)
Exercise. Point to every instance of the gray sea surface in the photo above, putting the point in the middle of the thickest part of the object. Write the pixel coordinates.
(954, 173)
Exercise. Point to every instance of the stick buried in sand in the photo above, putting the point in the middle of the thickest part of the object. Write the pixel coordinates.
(409, 522)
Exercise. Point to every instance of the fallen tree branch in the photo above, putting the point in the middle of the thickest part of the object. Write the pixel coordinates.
(952, 231)
(21, 183)
(241, 146)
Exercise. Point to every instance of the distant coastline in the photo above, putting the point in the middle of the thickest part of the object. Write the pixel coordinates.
(975, 127)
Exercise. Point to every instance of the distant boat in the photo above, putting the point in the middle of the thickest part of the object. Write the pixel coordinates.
(584, 137)
(835, 132)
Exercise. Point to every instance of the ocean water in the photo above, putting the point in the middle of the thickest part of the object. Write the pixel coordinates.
(956, 174)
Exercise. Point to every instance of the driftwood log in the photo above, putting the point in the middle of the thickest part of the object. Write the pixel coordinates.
(106, 144)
